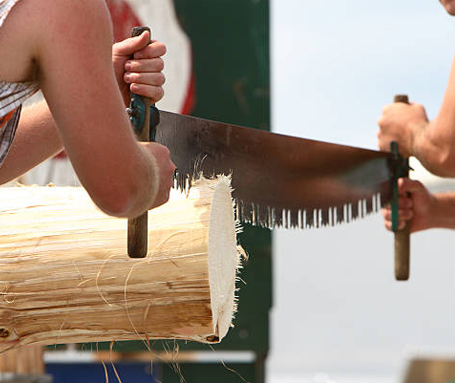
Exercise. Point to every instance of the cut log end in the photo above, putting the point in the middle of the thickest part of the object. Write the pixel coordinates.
(65, 276)
(223, 257)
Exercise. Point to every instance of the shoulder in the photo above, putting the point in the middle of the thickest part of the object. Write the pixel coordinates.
(49, 13)
(71, 23)
(67, 16)
(39, 26)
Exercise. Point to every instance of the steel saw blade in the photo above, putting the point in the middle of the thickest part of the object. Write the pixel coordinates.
(278, 180)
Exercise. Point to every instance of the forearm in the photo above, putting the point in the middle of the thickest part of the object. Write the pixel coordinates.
(125, 185)
(433, 145)
(36, 140)
(442, 214)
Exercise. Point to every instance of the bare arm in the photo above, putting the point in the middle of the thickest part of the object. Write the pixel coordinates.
(73, 55)
(36, 139)
(433, 143)
(443, 214)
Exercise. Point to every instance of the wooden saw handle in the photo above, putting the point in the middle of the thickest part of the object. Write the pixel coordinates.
(402, 237)
(138, 227)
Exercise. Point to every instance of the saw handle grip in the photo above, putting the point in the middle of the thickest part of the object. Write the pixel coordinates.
(141, 127)
(140, 118)
(402, 237)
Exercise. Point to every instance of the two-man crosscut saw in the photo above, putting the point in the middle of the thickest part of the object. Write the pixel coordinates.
(279, 180)
(284, 181)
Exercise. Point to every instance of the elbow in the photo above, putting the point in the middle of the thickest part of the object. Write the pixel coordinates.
(122, 193)
(119, 202)
(115, 204)
(119, 209)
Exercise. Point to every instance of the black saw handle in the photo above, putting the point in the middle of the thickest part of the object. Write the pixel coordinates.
(140, 118)
(402, 237)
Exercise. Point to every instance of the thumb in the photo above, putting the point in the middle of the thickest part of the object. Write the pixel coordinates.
(132, 44)
(407, 185)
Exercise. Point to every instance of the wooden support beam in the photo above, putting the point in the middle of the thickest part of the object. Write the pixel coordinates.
(65, 275)
(23, 361)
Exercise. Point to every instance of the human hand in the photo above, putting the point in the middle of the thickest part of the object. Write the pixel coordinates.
(142, 74)
(415, 203)
(166, 170)
(400, 122)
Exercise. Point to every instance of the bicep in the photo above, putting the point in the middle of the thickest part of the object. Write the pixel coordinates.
(79, 85)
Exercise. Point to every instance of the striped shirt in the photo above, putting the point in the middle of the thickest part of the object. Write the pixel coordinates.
(12, 96)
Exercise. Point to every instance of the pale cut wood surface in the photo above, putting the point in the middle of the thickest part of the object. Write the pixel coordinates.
(65, 276)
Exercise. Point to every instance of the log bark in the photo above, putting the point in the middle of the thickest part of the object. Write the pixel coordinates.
(65, 276)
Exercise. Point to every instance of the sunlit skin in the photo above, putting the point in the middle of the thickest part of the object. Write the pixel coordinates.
(67, 49)
(449, 6)
(433, 144)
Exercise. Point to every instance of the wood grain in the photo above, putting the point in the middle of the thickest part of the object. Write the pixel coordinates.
(65, 276)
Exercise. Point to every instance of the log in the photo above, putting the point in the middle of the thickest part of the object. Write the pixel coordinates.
(65, 276)
(24, 365)
(23, 361)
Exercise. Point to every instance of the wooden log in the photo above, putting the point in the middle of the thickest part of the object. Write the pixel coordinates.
(24, 364)
(65, 276)
(23, 361)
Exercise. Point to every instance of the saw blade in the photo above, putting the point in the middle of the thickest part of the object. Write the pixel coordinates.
(278, 180)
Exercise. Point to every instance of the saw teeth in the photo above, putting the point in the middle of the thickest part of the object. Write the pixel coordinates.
(271, 217)
(303, 218)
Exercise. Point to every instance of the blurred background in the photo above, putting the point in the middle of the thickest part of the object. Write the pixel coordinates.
(317, 306)
(338, 314)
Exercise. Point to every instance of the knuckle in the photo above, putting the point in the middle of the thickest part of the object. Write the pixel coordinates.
(386, 108)
(158, 94)
(160, 48)
(166, 151)
(135, 88)
(158, 64)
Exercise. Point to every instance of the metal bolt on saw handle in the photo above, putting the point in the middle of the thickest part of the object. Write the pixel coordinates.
(402, 237)
(140, 119)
